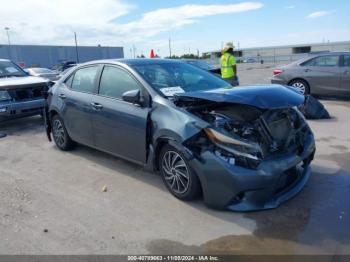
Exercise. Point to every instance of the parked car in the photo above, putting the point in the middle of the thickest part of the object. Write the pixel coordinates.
(42, 72)
(63, 66)
(244, 148)
(20, 95)
(318, 74)
(250, 60)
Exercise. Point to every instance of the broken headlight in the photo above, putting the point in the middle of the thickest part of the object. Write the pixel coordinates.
(235, 150)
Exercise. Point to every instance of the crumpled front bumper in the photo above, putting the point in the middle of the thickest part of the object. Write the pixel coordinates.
(13, 109)
(227, 186)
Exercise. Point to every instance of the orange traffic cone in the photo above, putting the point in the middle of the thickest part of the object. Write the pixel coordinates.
(152, 54)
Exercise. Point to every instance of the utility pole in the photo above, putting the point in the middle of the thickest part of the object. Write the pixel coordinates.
(7, 29)
(134, 50)
(170, 47)
(76, 47)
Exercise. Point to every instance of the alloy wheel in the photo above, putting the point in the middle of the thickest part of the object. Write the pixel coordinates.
(300, 87)
(58, 132)
(176, 173)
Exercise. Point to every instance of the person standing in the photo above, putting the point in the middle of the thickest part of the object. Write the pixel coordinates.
(228, 65)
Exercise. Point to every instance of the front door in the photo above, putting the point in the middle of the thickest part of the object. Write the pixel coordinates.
(323, 74)
(119, 126)
(345, 75)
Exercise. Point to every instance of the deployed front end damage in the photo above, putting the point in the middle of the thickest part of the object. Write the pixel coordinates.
(249, 158)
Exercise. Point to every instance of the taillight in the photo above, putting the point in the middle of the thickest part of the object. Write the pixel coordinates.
(277, 72)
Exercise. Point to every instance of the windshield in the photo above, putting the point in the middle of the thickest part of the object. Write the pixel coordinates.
(9, 69)
(172, 78)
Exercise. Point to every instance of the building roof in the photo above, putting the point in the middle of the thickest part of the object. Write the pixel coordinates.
(291, 46)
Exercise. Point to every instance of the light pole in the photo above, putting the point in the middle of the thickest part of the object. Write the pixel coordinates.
(76, 47)
(7, 29)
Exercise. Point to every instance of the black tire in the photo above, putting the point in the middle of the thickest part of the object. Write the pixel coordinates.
(188, 189)
(301, 85)
(60, 134)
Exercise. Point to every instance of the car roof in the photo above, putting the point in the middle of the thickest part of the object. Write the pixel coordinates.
(136, 61)
(330, 53)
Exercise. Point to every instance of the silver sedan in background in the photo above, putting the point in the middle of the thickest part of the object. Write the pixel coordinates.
(43, 72)
(321, 74)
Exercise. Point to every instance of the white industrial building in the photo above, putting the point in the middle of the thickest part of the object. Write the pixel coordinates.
(284, 53)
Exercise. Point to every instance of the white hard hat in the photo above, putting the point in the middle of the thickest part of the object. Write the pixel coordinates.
(228, 46)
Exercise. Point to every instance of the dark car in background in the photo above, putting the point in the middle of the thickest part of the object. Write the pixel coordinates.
(20, 94)
(64, 66)
(318, 74)
(244, 148)
(43, 72)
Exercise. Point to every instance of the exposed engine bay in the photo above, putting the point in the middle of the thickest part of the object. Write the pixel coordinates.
(245, 135)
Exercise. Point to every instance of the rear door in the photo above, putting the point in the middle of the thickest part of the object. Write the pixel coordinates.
(119, 126)
(323, 74)
(345, 75)
(76, 97)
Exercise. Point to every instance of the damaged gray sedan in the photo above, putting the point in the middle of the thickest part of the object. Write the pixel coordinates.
(242, 149)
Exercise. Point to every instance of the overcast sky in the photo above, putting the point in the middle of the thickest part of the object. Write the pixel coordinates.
(192, 25)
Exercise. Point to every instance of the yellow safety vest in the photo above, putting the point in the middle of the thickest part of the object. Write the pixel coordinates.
(227, 63)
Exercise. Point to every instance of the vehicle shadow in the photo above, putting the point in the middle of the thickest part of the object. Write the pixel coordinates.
(314, 222)
(119, 166)
(21, 126)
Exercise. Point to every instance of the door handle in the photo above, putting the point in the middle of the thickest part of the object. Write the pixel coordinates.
(97, 106)
(307, 70)
(62, 96)
(346, 72)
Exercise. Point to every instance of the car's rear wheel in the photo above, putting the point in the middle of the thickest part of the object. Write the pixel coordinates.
(177, 175)
(301, 86)
(60, 135)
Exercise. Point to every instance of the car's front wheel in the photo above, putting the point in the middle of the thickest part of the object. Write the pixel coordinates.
(301, 86)
(60, 135)
(177, 175)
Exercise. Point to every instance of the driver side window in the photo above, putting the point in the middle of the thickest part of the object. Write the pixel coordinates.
(115, 82)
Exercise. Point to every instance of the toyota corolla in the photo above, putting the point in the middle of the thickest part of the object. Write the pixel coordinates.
(242, 149)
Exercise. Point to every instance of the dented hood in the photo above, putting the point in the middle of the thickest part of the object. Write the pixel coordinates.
(23, 81)
(264, 97)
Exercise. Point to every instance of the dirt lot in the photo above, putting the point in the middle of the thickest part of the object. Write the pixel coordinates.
(51, 202)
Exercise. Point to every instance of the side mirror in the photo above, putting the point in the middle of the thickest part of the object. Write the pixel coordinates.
(132, 96)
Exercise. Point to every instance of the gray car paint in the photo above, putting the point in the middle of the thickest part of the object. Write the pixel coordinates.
(322, 80)
(345, 75)
(159, 121)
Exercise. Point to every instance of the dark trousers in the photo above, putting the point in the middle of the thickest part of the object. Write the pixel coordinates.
(233, 81)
